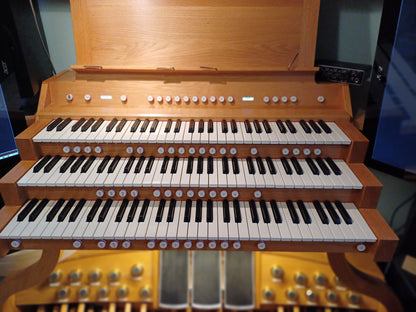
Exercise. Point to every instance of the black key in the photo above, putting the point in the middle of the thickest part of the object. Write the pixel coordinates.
(344, 214)
(144, 126)
(103, 164)
(93, 210)
(226, 210)
(174, 168)
(97, 125)
(87, 164)
(143, 211)
(190, 165)
(248, 126)
(312, 165)
(292, 211)
(77, 164)
(305, 126)
(66, 210)
(121, 125)
(177, 126)
(224, 127)
(321, 213)
(139, 164)
(200, 126)
(334, 216)
(315, 127)
(55, 210)
(281, 126)
(41, 164)
(28, 208)
(111, 125)
(250, 165)
(253, 211)
(164, 164)
(237, 211)
(304, 212)
(168, 126)
(135, 125)
(200, 165)
(296, 165)
(210, 165)
(63, 124)
(271, 166)
(149, 164)
(75, 213)
(154, 125)
(276, 212)
(104, 211)
(234, 128)
(121, 211)
(129, 164)
(225, 167)
(260, 165)
(323, 166)
(114, 164)
(53, 124)
(210, 126)
(198, 212)
(324, 126)
(191, 128)
(87, 125)
(171, 211)
(257, 126)
(77, 125)
(160, 209)
(35, 213)
(267, 127)
(290, 126)
(51, 164)
(236, 167)
(188, 206)
(286, 166)
(264, 211)
(333, 165)
(210, 211)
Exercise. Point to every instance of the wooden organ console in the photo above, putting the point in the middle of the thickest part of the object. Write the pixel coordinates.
(194, 126)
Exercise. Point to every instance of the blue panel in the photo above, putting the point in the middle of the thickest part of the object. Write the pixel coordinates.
(8, 146)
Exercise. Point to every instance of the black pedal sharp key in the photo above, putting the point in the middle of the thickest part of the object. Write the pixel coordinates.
(198, 212)
(290, 126)
(135, 125)
(122, 210)
(149, 164)
(93, 210)
(35, 213)
(42, 163)
(200, 165)
(225, 167)
(224, 127)
(257, 126)
(253, 211)
(271, 166)
(103, 164)
(87, 125)
(28, 208)
(54, 210)
(286, 166)
(62, 215)
(237, 211)
(143, 211)
(305, 126)
(191, 128)
(248, 126)
(260, 165)
(113, 164)
(77, 164)
(139, 164)
(75, 213)
(281, 126)
(236, 167)
(292, 211)
(296, 165)
(160, 209)
(77, 125)
(234, 128)
(324, 126)
(104, 211)
(63, 124)
(111, 125)
(210, 168)
(188, 206)
(264, 211)
(226, 210)
(315, 127)
(190, 165)
(177, 126)
(154, 125)
(267, 127)
(344, 213)
(88, 164)
(323, 166)
(210, 211)
(174, 168)
(304, 212)
(250, 165)
(168, 126)
(312, 165)
(51, 164)
(144, 126)
(53, 124)
(321, 213)
(333, 166)
(129, 164)
(165, 164)
(121, 125)
(210, 126)
(171, 211)
(334, 216)
(276, 213)
(200, 126)
(97, 125)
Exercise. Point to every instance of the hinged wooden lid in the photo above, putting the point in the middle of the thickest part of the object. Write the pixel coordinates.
(253, 35)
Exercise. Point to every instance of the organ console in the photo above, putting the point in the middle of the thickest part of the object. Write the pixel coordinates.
(194, 126)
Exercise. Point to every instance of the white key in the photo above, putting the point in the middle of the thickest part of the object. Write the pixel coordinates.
(157, 177)
(277, 137)
(196, 136)
(250, 180)
(287, 179)
(63, 224)
(273, 226)
(166, 177)
(333, 137)
(144, 135)
(162, 228)
(303, 227)
(293, 228)
(314, 225)
(222, 226)
(358, 218)
(112, 223)
(43, 135)
(102, 226)
(241, 178)
(72, 179)
(283, 226)
(192, 225)
(231, 177)
(256, 137)
(152, 225)
(232, 225)
(185, 177)
(143, 227)
(326, 233)
(263, 227)
(182, 226)
(161, 137)
(222, 178)
(297, 179)
(203, 225)
(32, 226)
(64, 135)
(120, 175)
(126, 229)
(99, 136)
(148, 177)
(92, 170)
(194, 177)
(213, 226)
(259, 179)
(170, 136)
(92, 176)
(213, 137)
(253, 229)
(176, 178)
(203, 177)
(45, 178)
(344, 138)
(137, 177)
(347, 172)
(187, 136)
(101, 177)
(94, 224)
(42, 223)
(213, 178)
(152, 138)
(221, 137)
(118, 136)
(300, 135)
(13, 224)
(47, 229)
(238, 136)
(243, 230)
(229, 136)
(307, 177)
(70, 229)
(265, 138)
(173, 226)
(246, 136)
(204, 139)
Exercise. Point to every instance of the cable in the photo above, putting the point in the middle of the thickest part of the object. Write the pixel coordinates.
(401, 205)
(40, 36)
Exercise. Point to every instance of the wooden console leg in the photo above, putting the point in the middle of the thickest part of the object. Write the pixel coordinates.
(31, 276)
(364, 283)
